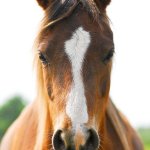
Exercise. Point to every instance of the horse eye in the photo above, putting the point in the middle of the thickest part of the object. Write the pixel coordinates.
(42, 58)
(108, 56)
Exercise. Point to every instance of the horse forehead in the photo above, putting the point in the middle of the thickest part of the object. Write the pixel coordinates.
(76, 48)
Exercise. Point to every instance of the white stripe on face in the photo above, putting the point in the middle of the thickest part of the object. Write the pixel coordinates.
(76, 48)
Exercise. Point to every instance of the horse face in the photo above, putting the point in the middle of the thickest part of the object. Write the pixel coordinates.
(76, 57)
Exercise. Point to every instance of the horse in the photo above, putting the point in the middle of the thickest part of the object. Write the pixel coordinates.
(73, 58)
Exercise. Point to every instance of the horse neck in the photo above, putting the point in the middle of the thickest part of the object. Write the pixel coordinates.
(114, 129)
(44, 125)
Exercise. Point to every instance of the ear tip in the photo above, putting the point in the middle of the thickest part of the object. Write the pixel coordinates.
(105, 3)
(43, 3)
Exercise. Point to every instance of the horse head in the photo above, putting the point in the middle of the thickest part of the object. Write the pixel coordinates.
(75, 48)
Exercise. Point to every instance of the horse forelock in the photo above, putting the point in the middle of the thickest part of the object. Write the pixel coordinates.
(60, 10)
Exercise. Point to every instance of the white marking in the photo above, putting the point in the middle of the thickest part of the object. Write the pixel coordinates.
(76, 48)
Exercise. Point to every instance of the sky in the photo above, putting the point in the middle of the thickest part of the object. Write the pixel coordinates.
(130, 82)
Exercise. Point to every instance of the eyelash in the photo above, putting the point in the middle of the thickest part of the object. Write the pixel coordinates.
(109, 55)
(42, 58)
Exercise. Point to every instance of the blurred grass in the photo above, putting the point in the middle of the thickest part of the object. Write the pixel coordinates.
(9, 111)
(145, 136)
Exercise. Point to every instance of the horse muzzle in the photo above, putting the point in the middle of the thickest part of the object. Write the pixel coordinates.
(76, 140)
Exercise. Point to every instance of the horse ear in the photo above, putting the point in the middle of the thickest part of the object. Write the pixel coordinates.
(43, 3)
(103, 3)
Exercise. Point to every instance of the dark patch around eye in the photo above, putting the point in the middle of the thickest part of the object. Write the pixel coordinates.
(42, 58)
(108, 56)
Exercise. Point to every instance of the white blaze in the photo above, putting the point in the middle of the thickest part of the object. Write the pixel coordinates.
(76, 48)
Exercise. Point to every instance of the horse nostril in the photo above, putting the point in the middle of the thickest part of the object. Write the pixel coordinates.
(58, 142)
(92, 142)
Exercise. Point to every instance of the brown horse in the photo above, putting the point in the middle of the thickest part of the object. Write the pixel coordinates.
(73, 110)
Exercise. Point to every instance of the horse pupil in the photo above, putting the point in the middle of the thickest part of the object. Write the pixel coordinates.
(42, 58)
(108, 56)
